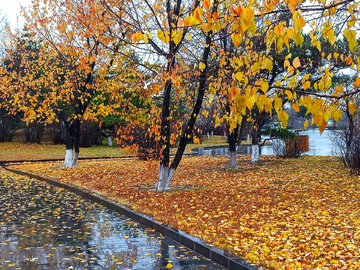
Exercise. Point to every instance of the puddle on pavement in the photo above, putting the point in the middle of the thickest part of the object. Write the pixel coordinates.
(45, 227)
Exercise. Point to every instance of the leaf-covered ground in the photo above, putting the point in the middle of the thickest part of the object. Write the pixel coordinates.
(19, 151)
(281, 214)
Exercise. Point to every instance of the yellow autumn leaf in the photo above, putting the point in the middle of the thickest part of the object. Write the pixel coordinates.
(339, 88)
(327, 116)
(331, 36)
(267, 64)
(348, 60)
(337, 115)
(277, 103)
(306, 124)
(136, 37)
(236, 39)
(352, 108)
(351, 37)
(250, 102)
(322, 126)
(206, 4)
(295, 107)
(318, 118)
(239, 76)
(211, 98)
(247, 18)
(264, 87)
(296, 62)
(357, 82)
(306, 85)
(327, 84)
(178, 36)
(202, 66)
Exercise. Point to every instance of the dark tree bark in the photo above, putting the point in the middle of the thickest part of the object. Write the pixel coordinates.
(165, 171)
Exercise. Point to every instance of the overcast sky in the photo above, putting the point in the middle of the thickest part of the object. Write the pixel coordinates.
(12, 9)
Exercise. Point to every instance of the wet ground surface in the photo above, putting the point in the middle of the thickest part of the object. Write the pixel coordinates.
(45, 227)
(319, 144)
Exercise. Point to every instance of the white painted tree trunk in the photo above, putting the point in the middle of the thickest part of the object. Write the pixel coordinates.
(68, 158)
(232, 161)
(255, 153)
(76, 156)
(165, 175)
(109, 140)
(70, 161)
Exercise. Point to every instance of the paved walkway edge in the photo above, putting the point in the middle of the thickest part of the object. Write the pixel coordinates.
(219, 256)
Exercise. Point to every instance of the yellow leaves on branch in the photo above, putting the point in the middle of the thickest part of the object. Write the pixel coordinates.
(295, 107)
(324, 84)
(247, 18)
(178, 36)
(236, 39)
(296, 62)
(351, 37)
(283, 118)
(269, 5)
(352, 108)
(328, 32)
(206, 4)
(136, 37)
(278, 103)
(292, 4)
(163, 36)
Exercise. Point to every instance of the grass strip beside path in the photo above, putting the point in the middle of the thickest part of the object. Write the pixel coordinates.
(21, 151)
(281, 214)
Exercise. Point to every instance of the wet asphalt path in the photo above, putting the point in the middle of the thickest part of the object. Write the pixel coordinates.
(46, 227)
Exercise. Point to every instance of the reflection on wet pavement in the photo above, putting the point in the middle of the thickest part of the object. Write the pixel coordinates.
(45, 227)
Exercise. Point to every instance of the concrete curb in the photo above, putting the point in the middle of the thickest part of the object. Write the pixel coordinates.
(219, 256)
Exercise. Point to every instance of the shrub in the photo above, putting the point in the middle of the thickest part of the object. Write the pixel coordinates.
(347, 146)
(8, 125)
(90, 133)
(33, 132)
(284, 142)
(138, 135)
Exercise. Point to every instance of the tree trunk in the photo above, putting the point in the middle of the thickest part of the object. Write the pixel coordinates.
(165, 171)
(241, 131)
(76, 141)
(232, 161)
(68, 158)
(255, 137)
(72, 138)
(109, 140)
(255, 145)
(232, 148)
(349, 135)
(254, 153)
(165, 175)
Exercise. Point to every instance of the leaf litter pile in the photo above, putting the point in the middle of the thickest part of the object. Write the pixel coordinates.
(281, 214)
(45, 227)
